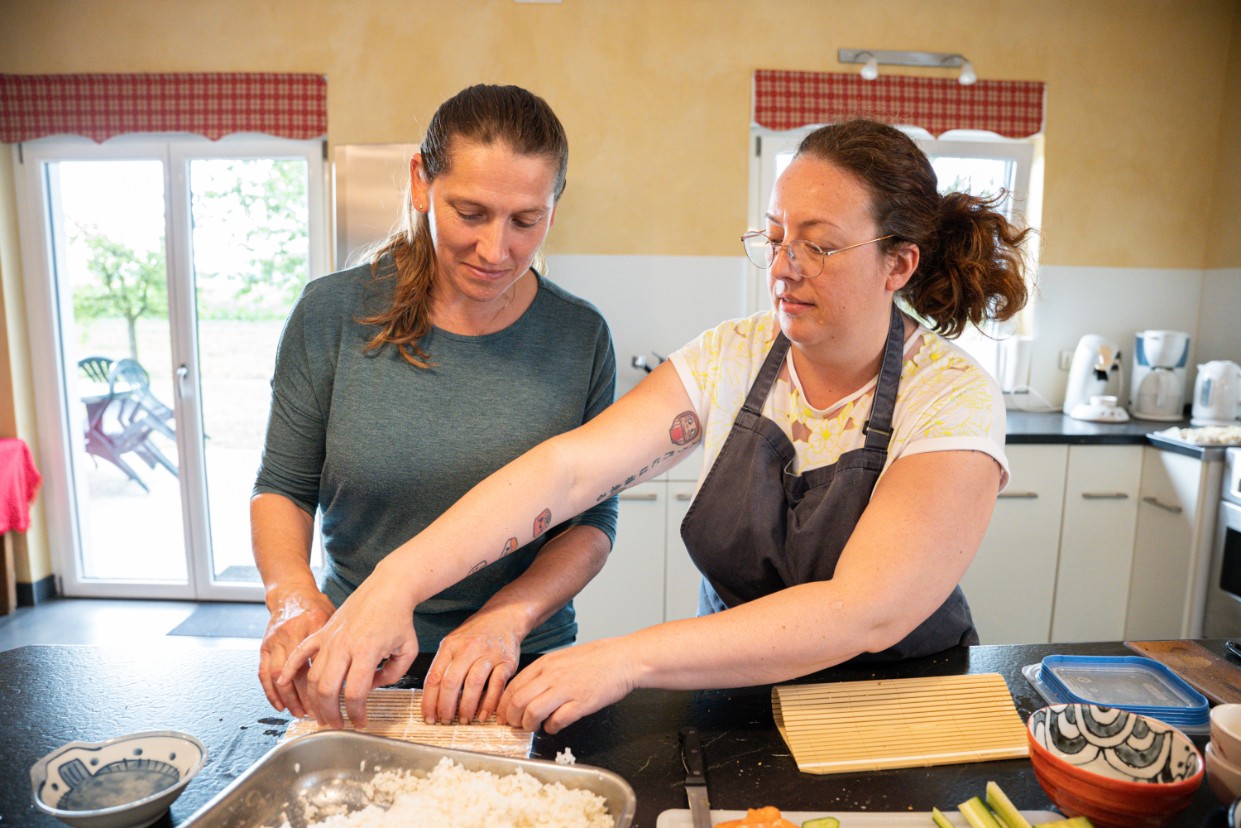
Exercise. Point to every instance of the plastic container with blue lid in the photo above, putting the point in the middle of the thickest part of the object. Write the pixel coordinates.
(1140, 685)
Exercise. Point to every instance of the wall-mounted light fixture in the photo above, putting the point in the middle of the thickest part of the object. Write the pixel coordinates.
(872, 58)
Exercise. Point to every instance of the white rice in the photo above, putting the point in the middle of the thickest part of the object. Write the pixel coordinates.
(452, 795)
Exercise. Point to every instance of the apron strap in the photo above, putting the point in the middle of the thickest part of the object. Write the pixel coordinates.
(766, 375)
(878, 429)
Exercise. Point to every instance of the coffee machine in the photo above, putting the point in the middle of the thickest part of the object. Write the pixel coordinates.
(1094, 380)
(1159, 364)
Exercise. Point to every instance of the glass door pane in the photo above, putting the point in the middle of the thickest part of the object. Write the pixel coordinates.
(108, 229)
(250, 259)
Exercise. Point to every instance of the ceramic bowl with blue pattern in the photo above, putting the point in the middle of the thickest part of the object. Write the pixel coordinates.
(1119, 769)
(126, 782)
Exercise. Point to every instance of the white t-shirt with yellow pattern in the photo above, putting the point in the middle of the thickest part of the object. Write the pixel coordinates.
(945, 402)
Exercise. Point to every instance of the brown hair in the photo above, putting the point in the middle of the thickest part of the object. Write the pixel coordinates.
(971, 265)
(482, 114)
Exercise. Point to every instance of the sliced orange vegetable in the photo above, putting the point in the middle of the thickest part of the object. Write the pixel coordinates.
(765, 817)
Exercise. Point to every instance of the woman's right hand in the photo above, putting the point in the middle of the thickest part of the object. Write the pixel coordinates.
(294, 617)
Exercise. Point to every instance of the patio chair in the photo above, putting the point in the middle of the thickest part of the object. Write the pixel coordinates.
(95, 368)
(122, 421)
(130, 373)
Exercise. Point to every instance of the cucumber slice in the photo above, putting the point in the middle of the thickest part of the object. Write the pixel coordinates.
(1003, 807)
(821, 822)
(940, 820)
(977, 814)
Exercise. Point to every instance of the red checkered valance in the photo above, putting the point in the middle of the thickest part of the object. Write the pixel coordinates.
(214, 105)
(788, 100)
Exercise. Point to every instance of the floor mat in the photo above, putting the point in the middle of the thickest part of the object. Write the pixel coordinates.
(218, 620)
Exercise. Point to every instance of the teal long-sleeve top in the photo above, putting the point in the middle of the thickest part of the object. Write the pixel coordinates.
(379, 448)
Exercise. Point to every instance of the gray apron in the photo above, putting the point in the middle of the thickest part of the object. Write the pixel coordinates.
(755, 528)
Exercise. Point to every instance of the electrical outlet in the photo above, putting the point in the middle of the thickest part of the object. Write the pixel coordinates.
(1066, 360)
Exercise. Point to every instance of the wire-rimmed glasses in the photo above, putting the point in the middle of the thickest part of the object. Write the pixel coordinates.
(805, 257)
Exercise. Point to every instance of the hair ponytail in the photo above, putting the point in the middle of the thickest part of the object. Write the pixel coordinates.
(976, 269)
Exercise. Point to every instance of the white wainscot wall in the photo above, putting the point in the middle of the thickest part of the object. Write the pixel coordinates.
(1118, 302)
(654, 304)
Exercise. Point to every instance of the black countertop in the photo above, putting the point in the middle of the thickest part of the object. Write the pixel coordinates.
(50, 695)
(1054, 428)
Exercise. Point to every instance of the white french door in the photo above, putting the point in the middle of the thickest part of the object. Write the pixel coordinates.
(159, 271)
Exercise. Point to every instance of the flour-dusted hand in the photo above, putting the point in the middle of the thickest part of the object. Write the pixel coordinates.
(470, 670)
(563, 686)
(368, 642)
(294, 617)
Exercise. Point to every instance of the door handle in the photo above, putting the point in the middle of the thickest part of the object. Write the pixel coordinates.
(1105, 496)
(183, 374)
(645, 497)
(1018, 496)
(1167, 507)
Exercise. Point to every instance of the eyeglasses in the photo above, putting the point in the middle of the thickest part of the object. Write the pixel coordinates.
(805, 257)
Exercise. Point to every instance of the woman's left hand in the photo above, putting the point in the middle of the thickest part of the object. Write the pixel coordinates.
(368, 642)
(469, 672)
(563, 686)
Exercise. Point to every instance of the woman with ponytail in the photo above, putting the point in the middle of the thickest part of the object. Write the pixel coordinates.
(401, 383)
(852, 457)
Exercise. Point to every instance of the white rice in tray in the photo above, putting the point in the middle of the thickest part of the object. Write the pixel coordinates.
(452, 795)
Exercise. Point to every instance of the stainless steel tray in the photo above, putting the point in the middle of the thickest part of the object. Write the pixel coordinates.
(331, 767)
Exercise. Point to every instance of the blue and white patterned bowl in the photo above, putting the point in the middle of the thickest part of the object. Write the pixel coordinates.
(1120, 769)
(126, 782)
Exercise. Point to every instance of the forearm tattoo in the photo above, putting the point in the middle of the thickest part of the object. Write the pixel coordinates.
(542, 522)
(683, 433)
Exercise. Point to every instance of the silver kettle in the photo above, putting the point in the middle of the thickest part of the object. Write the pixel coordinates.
(1216, 393)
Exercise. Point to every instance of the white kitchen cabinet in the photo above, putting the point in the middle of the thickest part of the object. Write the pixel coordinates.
(1175, 528)
(681, 577)
(1096, 543)
(628, 593)
(649, 577)
(1011, 583)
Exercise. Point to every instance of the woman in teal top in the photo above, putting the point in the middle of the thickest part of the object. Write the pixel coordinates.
(402, 383)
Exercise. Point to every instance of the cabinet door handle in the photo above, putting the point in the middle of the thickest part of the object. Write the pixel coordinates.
(1018, 495)
(1167, 507)
(683, 497)
(639, 497)
(1105, 496)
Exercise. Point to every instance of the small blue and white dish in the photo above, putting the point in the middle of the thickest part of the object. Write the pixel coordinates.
(126, 782)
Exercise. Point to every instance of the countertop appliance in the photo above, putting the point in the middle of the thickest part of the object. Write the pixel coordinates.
(1095, 378)
(1159, 360)
(1223, 601)
(1216, 392)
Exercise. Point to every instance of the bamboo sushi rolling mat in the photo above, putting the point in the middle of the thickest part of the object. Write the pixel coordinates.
(397, 714)
(899, 723)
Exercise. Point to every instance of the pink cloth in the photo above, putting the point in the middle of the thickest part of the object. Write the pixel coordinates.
(19, 483)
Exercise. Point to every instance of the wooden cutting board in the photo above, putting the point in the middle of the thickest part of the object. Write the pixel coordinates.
(397, 714)
(1216, 678)
(899, 723)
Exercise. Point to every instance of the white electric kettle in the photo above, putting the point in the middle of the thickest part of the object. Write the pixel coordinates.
(1216, 393)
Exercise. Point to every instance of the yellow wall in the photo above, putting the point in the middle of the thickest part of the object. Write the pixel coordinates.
(655, 94)
(32, 557)
(1224, 222)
